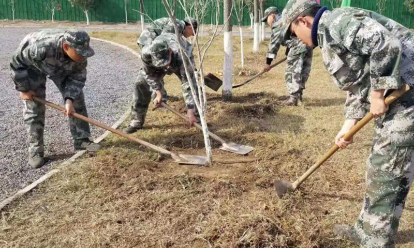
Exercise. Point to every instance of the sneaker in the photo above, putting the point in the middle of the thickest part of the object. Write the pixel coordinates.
(36, 161)
(347, 232)
(86, 144)
(131, 129)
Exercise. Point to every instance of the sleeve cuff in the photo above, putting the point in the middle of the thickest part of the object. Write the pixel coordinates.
(270, 55)
(190, 106)
(385, 83)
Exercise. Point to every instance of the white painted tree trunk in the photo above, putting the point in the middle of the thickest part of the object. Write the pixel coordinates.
(141, 9)
(126, 12)
(228, 52)
(241, 46)
(256, 27)
(228, 66)
(87, 16)
(251, 20)
(53, 15)
(13, 13)
(263, 32)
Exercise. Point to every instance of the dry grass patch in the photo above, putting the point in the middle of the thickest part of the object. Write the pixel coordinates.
(127, 196)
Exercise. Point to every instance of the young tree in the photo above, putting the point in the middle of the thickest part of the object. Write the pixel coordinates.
(410, 5)
(85, 5)
(198, 10)
(239, 7)
(249, 5)
(52, 6)
(201, 98)
(381, 5)
(228, 51)
(256, 26)
(335, 3)
(141, 9)
(12, 4)
(126, 10)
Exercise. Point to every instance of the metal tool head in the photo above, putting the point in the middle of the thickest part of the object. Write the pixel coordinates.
(282, 187)
(191, 159)
(213, 82)
(236, 148)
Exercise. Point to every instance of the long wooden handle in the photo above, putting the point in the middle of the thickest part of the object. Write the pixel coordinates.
(259, 74)
(113, 130)
(396, 94)
(212, 135)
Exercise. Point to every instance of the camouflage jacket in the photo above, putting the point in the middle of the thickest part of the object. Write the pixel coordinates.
(41, 52)
(294, 45)
(154, 76)
(154, 29)
(363, 50)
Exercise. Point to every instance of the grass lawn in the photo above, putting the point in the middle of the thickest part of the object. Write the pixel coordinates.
(128, 196)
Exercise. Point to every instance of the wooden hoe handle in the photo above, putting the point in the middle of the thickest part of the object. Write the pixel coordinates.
(391, 98)
(259, 74)
(113, 130)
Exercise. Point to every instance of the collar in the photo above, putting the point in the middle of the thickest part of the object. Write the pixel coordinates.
(314, 31)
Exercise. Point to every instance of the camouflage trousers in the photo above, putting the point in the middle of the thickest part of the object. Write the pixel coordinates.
(297, 70)
(142, 98)
(34, 114)
(389, 175)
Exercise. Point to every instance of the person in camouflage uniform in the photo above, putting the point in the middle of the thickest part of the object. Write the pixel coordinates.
(60, 56)
(368, 55)
(160, 58)
(164, 24)
(299, 57)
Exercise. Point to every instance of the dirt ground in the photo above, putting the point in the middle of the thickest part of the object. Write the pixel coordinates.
(127, 196)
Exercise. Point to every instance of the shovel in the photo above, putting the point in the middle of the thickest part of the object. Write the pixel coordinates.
(284, 186)
(215, 83)
(178, 158)
(230, 147)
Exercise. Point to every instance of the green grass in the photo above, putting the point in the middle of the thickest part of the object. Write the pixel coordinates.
(127, 196)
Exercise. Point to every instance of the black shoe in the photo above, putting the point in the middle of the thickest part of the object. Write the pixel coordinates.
(131, 129)
(86, 144)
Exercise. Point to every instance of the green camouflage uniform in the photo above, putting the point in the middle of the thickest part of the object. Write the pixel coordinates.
(150, 77)
(299, 59)
(365, 51)
(154, 29)
(40, 55)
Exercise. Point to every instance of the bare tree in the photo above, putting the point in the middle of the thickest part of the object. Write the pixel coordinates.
(335, 3)
(239, 5)
(256, 26)
(410, 5)
(12, 4)
(52, 6)
(228, 52)
(126, 10)
(381, 5)
(85, 5)
(198, 10)
(200, 99)
(141, 9)
(250, 8)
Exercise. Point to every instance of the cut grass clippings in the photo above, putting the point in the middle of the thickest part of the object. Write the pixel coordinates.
(128, 196)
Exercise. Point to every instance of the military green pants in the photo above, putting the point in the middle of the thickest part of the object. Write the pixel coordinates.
(389, 175)
(34, 113)
(297, 70)
(142, 98)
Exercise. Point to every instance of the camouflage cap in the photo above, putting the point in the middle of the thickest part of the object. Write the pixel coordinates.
(80, 41)
(160, 53)
(292, 10)
(191, 21)
(268, 12)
